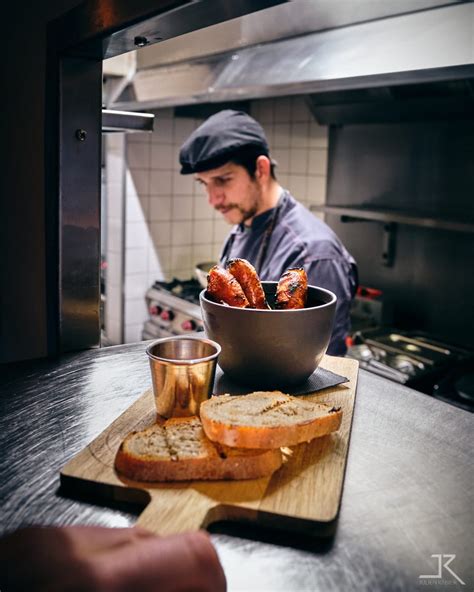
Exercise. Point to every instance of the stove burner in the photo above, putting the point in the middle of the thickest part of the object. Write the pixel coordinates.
(399, 367)
(188, 290)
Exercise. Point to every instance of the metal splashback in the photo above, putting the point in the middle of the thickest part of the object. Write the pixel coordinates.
(430, 44)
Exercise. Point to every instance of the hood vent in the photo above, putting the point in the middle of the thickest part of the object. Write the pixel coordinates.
(429, 49)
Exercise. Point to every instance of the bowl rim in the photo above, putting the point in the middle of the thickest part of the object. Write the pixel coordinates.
(333, 300)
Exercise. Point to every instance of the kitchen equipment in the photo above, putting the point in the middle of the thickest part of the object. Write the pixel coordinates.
(457, 386)
(370, 308)
(415, 359)
(271, 348)
(182, 371)
(303, 495)
(201, 270)
(173, 309)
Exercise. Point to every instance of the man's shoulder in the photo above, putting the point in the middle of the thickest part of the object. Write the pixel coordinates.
(300, 226)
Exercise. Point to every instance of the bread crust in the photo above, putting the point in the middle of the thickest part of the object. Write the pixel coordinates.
(264, 420)
(191, 457)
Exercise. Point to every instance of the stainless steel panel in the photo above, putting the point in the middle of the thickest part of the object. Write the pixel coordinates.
(79, 179)
(418, 47)
(440, 38)
(126, 121)
(421, 169)
(181, 84)
(290, 19)
(137, 24)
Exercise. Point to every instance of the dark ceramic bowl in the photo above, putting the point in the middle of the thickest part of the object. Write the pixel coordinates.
(271, 349)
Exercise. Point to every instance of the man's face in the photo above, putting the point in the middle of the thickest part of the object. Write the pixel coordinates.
(232, 192)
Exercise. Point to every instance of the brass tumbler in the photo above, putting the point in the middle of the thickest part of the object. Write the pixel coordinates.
(182, 370)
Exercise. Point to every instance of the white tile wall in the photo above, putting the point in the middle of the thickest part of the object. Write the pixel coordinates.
(202, 232)
(160, 208)
(161, 157)
(170, 226)
(159, 259)
(161, 183)
(181, 233)
(136, 285)
(182, 207)
(114, 195)
(136, 261)
(161, 234)
(298, 144)
(133, 332)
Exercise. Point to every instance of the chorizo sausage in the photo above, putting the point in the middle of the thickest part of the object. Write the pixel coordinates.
(223, 287)
(292, 289)
(245, 273)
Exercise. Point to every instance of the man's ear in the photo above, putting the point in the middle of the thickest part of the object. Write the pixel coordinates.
(262, 170)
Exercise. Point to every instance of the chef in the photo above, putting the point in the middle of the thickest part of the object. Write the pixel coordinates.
(229, 155)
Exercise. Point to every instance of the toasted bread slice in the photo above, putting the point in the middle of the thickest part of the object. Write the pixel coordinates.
(178, 450)
(266, 420)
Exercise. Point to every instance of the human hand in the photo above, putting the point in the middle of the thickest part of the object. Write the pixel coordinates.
(97, 559)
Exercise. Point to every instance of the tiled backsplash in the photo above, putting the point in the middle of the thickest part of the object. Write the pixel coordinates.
(113, 212)
(169, 226)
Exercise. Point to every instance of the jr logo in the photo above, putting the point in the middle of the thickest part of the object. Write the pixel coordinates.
(447, 561)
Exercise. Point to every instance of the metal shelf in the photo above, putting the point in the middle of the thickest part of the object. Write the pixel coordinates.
(354, 213)
(126, 121)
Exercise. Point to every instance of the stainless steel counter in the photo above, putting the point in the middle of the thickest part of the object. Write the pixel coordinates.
(407, 494)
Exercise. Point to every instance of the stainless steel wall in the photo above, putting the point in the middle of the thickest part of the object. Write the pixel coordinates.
(424, 170)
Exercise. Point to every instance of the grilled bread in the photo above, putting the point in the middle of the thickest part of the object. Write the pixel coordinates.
(178, 450)
(266, 420)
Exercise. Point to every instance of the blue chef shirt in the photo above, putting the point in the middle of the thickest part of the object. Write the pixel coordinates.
(299, 239)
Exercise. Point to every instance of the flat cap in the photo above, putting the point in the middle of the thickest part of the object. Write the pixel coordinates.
(212, 144)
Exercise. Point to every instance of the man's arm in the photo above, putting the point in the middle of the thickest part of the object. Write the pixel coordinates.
(338, 276)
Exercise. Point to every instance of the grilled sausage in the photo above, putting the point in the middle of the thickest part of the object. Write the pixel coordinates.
(244, 272)
(223, 287)
(292, 289)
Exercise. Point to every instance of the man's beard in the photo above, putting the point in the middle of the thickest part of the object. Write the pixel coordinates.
(245, 213)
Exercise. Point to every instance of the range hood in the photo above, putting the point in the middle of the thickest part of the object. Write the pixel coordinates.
(319, 49)
(117, 73)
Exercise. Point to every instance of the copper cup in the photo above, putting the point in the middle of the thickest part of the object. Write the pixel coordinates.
(182, 370)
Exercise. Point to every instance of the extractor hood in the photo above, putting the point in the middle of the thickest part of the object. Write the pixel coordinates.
(310, 48)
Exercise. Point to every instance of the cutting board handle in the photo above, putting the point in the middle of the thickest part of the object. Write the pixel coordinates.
(175, 510)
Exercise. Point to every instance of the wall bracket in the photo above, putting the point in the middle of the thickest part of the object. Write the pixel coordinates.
(388, 238)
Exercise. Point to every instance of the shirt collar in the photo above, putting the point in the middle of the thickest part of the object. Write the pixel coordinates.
(260, 221)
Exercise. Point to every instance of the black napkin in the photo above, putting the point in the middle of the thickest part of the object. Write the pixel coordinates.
(319, 380)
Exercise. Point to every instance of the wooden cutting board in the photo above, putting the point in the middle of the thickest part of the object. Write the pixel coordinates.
(304, 495)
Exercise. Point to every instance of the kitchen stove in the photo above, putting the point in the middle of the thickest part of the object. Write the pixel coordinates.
(173, 309)
(418, 361)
